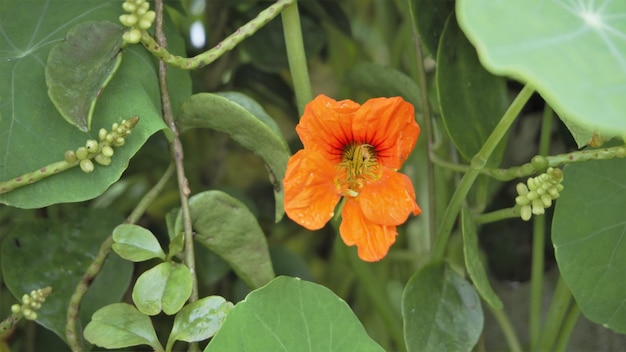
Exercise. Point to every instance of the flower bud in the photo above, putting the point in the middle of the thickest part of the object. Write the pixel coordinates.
(522, 190)
(132, 36)
(525, 212)
(129, 7)
(92, 146)
(86, 165)
(16, 308)
(102, 134)
(522, 200)
(70, 156)
(128, 20)
(81, 153)
(107, 151)
(102, 160)
(539, 162)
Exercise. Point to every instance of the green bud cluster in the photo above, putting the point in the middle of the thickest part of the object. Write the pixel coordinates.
(138, 19)
(538, 193)
(31, 303)
(102, 150)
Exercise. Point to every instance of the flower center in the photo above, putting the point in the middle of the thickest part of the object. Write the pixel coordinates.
(358, 166)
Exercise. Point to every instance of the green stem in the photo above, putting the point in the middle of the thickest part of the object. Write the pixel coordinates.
(501, 214)
(568, 326)
(225, 45)
(297, 57)
(36, 176)
(428, 129)
(558, 307)
(71, 333)
(545, 162)
(539, 223)
(478, 162)
(507, 329)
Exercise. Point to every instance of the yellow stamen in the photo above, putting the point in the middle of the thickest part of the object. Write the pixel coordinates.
(360, 166)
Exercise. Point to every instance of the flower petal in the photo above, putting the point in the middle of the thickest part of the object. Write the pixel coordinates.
(389, 200)
(389, 125)
(372, 240)
(326, 126)
(310, 194)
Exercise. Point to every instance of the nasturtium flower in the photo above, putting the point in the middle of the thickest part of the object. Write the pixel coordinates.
(354, 151)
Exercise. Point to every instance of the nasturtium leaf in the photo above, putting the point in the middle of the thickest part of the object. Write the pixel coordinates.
(380, 80)
(473, 264)
(290, 314)
(225, 226)
(56, 253)
(33, 134)
(229, 114)
(79, 68)
(164, 287)
(430, 17)
(121, 325)
(472, 100)
(572, 52)
(441, 311)
(135, 243)
(589, 237)
(199, 320)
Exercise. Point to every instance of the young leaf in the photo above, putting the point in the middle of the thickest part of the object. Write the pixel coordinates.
(177, 244)
(225, 226)
(165, 287)
(199, 320)
(290, 314)
(136, 243)
(222, 114)
(472, 100)
(79, 68)
(121, 325)
(474, 266)
(588, 232)
(441, 311)
(522, 38)
(57, 253)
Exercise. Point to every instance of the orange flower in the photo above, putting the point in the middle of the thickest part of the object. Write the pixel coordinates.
(354, 151)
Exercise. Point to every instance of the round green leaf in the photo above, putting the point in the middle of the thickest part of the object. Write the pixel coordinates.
(227, 114)
(589, 236)
(57, 253)
(473, 264)
(225, 226)
(121, 325)
(471, 100)
(165, 287)
(135, 243)
(290, 314)
(572, 52)
(80, 67)
(441, 311)
(199, 320)
(32, 132)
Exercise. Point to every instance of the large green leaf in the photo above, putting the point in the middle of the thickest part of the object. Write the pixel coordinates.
(290, 314)
(430, 17)
(79, 68)
(56, 253)
(121, 325)
(249, 128)
(473, 264)
(33, 134)
(441, 311)
(589, 236)
(226, 226)
(472, 100)
(572, 52)
(166, 287)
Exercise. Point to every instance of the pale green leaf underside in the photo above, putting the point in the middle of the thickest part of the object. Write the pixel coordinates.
(572, 51)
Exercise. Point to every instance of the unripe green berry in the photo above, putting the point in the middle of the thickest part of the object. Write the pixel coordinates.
(128, 20)
(532, 195)
(521, 188)
(532, 184)
(86, 165)
(525, 212)
(102, 160)
(132, 36)
(102, 134)
(537, 206)
(129, 7)
(92, 146)
(70, 156)
(81, 153)
(119, 141)
(107, 151)
(16, 308)
(522, 200)
(26, 299)
(29, 314)
(546, 200)
(143, 7)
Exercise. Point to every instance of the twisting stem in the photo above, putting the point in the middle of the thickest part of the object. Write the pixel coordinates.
(296, 55)
(568, 326)
(227, 44)
(478, 162)
(176, 149)
(497, 215)
(71, 326)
